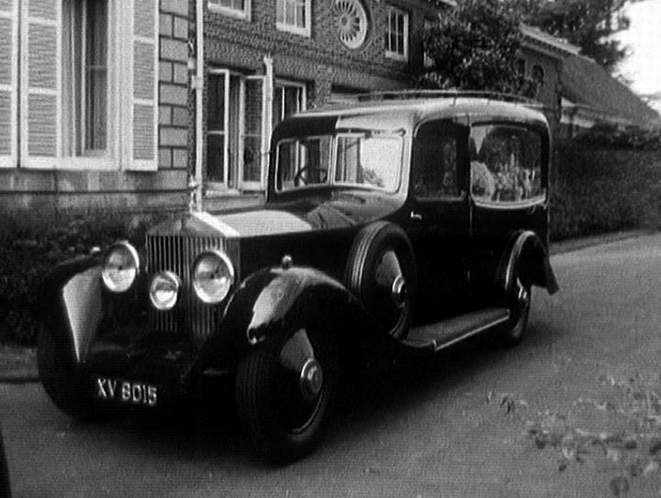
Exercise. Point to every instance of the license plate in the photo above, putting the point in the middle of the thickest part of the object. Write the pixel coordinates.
(127, 392)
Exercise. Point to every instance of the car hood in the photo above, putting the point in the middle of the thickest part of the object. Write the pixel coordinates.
(334, 211)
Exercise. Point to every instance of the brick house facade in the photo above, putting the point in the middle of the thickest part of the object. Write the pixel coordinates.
(264, 64)
(97, 97)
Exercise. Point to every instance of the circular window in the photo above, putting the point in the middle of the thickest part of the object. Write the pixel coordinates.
(350, 22)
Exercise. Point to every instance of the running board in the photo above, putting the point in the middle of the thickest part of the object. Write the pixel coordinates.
(448, 332)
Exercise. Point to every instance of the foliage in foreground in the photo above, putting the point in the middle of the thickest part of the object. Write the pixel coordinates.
(31, 245)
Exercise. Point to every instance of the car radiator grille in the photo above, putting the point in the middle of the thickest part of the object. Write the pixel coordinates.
(177, 253)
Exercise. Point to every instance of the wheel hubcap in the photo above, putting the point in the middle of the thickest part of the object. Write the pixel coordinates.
(522, 296)
(399, 291)
(311, 379)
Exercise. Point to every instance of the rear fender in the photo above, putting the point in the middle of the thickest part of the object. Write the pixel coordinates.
(526, 254)
(273, 304)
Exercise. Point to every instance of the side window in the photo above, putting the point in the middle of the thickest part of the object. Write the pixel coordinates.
(506, 163)
(435, 170)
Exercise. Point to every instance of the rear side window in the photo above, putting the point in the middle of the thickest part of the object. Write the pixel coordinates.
(436, 158)
(506, 164)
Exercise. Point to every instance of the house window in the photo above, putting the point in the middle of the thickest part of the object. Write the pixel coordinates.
(294, 16)
(237, 135)
(288, 99)
(397, 34)
(427, 60)
(234, 8)
(74, 95)
(85, 85)
(537, 75)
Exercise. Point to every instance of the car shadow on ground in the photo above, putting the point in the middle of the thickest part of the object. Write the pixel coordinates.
(207, 428)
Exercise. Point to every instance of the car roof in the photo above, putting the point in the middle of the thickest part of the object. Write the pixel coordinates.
(404, 111)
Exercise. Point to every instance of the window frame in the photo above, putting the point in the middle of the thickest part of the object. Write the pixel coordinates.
(404, 56)
(280, 84)
(544, 165)
(333, 159)
(335, 156)
(297, 30)
(245, 13)
(89, 159)
(330, 169)
(460, 132)
(10, 160)
(427, 60)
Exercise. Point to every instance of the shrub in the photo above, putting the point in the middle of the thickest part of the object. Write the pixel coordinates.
(31, 244)
(596, 189)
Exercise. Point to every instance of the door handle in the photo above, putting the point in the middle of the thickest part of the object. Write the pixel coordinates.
(416, 216)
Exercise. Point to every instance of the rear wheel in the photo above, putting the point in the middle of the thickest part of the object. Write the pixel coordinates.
(283, 395)
(519, 298)
(59, 376)
(381, 273)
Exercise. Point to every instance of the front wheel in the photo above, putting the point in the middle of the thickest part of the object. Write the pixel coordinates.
(61, 381)
(283, 396)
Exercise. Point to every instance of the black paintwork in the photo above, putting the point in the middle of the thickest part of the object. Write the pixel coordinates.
(5, 488)
(463, 251)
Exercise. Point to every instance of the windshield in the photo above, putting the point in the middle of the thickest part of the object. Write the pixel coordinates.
(350, 159)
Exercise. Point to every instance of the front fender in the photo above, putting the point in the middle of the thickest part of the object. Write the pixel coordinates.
(527, 254)
(75, 307)
(71, 303)
(272, 304)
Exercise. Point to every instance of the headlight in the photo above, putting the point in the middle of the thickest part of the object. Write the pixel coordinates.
(121, 267)
(213, 276)
(164, 290)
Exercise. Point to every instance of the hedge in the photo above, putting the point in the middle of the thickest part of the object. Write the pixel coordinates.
(31, 244)
(597, 189)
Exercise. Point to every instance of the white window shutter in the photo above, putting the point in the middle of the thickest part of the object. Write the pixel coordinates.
(8, 82)
(41, 96)
(143, 91)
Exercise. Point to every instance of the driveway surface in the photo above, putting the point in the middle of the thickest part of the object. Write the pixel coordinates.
(572, 411)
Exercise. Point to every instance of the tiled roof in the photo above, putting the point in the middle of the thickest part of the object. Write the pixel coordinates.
(586, 83)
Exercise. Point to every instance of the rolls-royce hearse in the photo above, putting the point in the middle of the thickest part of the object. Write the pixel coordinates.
(399, 225)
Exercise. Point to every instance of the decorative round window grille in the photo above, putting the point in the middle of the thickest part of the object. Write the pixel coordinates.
(350, 22)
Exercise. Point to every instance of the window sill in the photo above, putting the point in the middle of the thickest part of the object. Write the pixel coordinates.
(397, 56)
(225, 11)
(293, 29)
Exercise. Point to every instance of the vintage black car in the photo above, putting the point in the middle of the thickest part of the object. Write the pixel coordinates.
(395, 226)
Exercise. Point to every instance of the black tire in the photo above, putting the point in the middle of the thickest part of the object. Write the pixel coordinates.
(61, 380)
(274, 428)
(369, 246)
(519, 301)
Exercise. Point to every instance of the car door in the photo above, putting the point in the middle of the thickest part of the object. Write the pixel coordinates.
(508, 189)
(438, 217)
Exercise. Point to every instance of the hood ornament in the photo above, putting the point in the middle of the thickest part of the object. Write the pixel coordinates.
(194, 195)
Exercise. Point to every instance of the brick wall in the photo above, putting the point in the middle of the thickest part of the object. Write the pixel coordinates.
(321, 59)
